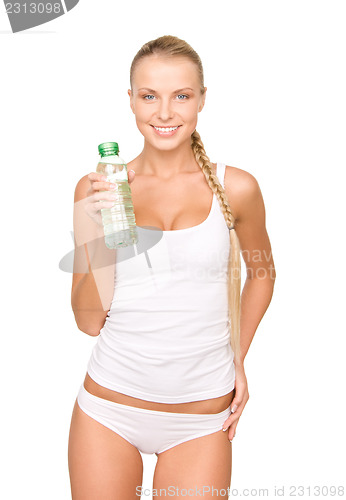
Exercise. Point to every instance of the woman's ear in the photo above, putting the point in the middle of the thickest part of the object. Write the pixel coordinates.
(131, 100)
(201, 105)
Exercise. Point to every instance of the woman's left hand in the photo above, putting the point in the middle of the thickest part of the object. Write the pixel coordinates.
(239, 401)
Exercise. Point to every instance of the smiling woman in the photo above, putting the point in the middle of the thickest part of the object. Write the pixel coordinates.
(166, 375)
(169, 109)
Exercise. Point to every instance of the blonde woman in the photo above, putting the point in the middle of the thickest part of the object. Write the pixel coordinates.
(166, 375)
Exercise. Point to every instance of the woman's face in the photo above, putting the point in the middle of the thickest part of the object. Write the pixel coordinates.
(166, 93)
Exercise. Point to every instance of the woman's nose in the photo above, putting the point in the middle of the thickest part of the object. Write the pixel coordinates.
(165, 111)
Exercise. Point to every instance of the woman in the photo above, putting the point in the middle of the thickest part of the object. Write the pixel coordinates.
(166, 376)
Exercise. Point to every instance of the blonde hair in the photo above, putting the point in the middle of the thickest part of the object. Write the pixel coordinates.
(170, 46)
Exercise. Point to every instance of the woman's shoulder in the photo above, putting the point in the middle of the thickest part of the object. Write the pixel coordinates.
(241, 188)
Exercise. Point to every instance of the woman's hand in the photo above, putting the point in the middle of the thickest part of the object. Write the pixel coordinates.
(101, 194)
(239, 401)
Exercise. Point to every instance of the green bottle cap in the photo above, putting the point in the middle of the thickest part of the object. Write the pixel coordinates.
(108, 148)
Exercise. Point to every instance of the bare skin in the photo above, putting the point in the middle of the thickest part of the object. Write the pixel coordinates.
(102, 464)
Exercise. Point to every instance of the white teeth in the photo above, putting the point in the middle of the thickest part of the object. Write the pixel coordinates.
(168, 129)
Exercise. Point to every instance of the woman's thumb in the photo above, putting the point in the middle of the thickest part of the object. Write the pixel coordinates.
(131, 175)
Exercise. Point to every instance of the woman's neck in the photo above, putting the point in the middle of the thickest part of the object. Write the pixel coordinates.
(165, 164)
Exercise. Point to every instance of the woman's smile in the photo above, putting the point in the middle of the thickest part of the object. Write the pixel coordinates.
(165, 131)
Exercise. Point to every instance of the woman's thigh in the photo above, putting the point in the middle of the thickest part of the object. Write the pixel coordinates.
(102, 464)
(194, 467)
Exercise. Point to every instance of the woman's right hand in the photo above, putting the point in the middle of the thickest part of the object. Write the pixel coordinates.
(101, 194)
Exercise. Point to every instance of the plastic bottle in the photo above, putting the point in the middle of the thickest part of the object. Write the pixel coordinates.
(118, 221)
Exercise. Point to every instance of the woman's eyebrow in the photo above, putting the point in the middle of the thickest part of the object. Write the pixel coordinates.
(179, 90)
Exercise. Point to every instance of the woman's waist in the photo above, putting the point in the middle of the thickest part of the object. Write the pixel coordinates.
(172, 342)
(213, 405)
(165, 379)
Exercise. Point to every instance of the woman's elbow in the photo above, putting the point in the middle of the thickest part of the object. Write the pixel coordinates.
(88, 325)
(89, 331)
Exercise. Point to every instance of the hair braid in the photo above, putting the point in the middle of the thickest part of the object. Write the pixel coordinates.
(234, 264)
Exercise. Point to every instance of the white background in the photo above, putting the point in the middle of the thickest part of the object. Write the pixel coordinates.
(275, 72)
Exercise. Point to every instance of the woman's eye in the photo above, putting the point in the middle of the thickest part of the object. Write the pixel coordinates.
(150, 97)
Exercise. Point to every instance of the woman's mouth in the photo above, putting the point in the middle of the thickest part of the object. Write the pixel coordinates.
(166, 131)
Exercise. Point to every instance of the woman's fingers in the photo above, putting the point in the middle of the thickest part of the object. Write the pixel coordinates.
(103, 185)
(239, 401)
(234, 416)
(102, 194)
(231, 430)
(231, 423)
(95, 176)
(233, 420)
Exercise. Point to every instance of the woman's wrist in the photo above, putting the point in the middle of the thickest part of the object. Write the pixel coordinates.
(238, 360)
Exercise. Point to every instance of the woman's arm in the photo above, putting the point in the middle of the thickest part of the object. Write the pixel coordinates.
(93, 268)
(248, 208)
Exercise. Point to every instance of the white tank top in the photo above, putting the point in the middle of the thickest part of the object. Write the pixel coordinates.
(166, 337)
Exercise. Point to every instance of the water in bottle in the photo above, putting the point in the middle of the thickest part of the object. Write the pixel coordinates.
(118, 221)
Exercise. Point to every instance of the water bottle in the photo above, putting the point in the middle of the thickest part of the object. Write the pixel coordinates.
(118, 221)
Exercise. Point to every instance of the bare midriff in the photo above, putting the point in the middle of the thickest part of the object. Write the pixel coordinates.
(215, 405)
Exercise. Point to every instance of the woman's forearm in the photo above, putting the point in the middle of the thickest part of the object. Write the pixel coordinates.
(92, 296)
(86, 305)
(255, 299)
